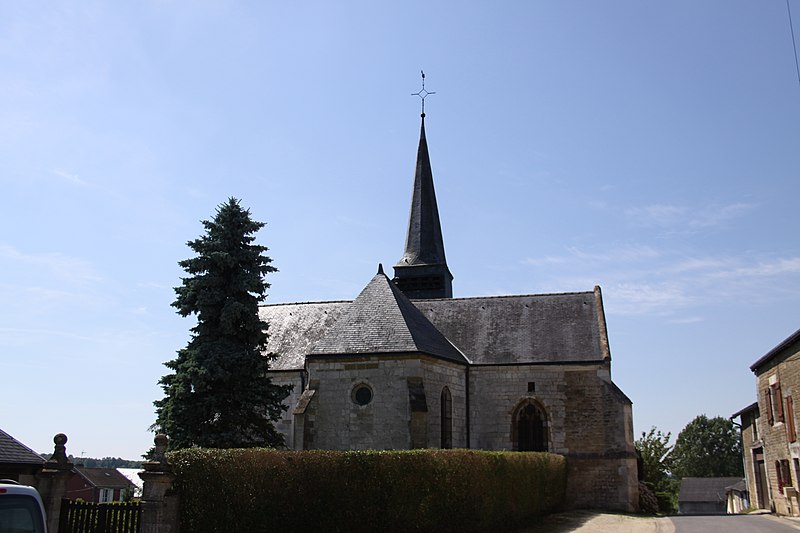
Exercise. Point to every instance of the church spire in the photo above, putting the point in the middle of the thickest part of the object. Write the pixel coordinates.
(422, 271)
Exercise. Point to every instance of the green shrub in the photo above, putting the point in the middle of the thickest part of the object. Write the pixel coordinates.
(419, 490)
(667, 502)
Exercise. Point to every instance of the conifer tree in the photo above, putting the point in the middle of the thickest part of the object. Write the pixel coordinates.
(218, 395)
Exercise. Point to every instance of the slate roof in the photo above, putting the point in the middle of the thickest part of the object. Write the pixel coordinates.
(383, 320)
(295, 328)
(106, 478)
(705, 489)
(424, 243)
(13, 451)
(545, 328)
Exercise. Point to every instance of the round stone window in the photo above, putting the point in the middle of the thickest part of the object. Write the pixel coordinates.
(362, 394)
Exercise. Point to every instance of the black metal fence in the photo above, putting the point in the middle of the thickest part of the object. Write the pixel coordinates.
(89, 517)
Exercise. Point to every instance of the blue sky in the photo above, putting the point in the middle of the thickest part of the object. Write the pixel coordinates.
(648, 147)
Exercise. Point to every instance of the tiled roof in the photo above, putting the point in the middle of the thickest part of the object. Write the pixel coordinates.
(705, 489)
(13, 451)
(382, 320)
(107, 478)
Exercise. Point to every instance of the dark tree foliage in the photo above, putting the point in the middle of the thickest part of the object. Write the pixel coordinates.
(707, 447)
(218, 395)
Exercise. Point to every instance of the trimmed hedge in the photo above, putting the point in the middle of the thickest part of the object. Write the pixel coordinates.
(259, 490)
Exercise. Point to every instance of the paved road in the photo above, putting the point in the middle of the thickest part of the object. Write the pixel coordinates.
(733, 524)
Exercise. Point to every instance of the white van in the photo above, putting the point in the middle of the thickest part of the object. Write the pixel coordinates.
(21, 509)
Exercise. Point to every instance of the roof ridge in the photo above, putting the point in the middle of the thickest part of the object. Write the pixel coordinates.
(501, 296)
(310, 302)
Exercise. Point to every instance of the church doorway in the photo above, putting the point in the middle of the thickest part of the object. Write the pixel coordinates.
(529, 431)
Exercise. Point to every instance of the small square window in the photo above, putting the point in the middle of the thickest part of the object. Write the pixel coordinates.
(531, 386)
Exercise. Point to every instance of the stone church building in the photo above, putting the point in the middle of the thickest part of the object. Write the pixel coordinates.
(405, 365)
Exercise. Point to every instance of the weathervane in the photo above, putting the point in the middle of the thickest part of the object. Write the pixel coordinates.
(423, 93)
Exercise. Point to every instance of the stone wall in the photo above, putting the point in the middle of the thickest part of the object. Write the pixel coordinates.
(387, 421)
(496, 391)
(589, 420)
(286, 424)
(437, 375)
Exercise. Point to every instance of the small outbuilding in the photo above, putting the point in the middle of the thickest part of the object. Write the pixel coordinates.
(705, 495)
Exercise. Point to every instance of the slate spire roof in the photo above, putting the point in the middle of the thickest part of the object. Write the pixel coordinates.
(424, 243)
(383, 320)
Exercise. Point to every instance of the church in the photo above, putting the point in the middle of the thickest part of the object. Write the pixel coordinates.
(406, 365)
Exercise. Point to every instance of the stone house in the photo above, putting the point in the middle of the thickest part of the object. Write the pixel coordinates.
(769, 430)
(406, 365)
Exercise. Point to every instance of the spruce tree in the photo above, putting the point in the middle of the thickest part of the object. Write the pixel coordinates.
(219, 395)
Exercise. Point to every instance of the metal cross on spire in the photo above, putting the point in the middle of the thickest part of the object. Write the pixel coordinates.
(423, 93)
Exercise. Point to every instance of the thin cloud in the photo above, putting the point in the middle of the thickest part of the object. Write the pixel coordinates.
(679, 218)
(56, 265)
(766, 269)
(687, 320)
(72, 178)
(642, 280)
(715, 215)
(577, 255)
(660, 298)
(657, 215)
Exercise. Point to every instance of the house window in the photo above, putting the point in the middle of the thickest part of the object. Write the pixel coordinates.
(531, 386)
(447, 418)
(791, 433)
(106, 495)
(784, 474)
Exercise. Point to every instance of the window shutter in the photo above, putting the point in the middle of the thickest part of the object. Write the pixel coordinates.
(790, 429)
(768, 402)
(778, 402)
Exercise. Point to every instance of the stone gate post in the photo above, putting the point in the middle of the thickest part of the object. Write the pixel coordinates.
(53, 481)
(159, 502)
